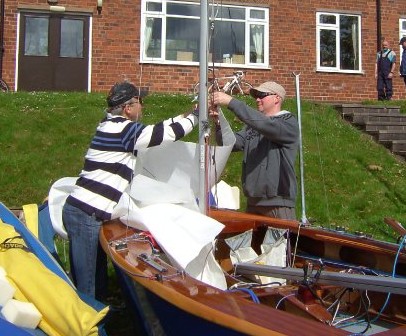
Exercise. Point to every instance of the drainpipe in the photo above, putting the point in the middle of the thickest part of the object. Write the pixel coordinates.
(2, 38)
(378, 25)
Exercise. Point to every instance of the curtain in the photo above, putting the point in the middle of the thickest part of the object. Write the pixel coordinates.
(355, 44)
(147, 35)
(257, 32)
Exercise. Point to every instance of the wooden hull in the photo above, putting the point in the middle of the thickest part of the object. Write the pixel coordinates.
(338, 246)
(183, 304)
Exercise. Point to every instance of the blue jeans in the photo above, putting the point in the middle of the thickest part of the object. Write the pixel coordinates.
(88, 262)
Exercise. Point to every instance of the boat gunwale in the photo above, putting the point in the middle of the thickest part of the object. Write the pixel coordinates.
(262, 320)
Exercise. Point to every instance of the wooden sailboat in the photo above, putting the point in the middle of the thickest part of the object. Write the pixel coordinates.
(305, 302)
(337, 283)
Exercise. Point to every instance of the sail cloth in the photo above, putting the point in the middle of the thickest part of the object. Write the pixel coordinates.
(163, 196)
(147, 191)
(186, 236)
(162, 199)
(273, 251)
(57, 196)
(226, 196)
(177, 163)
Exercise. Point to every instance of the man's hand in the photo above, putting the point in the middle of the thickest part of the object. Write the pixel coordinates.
(214, 114)
(220, 98)
(194, 112)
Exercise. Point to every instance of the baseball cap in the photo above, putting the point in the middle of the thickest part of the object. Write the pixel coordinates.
(403, 39)
(270, 87)
(122, 92)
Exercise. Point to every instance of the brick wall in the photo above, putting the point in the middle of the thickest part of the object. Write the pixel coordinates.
(116, 47)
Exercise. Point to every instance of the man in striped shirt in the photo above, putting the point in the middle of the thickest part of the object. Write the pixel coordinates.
(107, 172)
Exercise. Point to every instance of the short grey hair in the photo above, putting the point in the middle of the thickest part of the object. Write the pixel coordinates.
(118, 110)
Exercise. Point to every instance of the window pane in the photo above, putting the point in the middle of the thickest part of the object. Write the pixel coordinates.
(349, 43)
(328, 19)
(36, 36)
(153, 39)
(71, 38)
(183, 9)
(328, 48)
(257, 14)
(257, 44)
(229, 39)
(182, 39)
(154, 7)
(403, 25)
(224, 12)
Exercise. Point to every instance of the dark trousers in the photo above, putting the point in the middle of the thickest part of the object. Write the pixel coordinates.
(384, 86)
(273, 211)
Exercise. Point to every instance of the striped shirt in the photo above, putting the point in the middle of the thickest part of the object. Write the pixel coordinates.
(110, 159)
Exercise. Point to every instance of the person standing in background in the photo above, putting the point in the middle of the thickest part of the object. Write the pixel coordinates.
(384, 71)
(402, 68)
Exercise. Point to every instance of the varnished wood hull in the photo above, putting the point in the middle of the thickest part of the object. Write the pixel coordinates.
(322, 243)
(187, 306)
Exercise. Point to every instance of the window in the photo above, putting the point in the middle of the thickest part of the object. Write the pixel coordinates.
(171, 33)
(36, 36)
(338, 42)
(71, 38)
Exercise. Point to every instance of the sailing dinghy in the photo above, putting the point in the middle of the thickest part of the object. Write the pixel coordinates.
(339, 283)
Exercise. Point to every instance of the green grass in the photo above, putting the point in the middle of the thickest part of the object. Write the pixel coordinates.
(350, 180)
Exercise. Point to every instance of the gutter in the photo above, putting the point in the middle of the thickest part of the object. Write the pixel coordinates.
(2, 38)
(378, 25)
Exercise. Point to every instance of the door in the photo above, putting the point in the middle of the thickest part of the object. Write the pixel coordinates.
(53, 52)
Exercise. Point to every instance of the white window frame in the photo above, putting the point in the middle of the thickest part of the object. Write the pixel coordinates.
(336, 27)
(162, 15)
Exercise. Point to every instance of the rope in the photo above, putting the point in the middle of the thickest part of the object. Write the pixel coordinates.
(393, 276)
(284, 298)
(321, 164)
(254, 297)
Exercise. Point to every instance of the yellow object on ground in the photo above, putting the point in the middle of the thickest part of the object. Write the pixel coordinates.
(63, 312)
(31, 218)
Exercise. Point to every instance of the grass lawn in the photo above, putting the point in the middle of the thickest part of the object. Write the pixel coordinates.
(349, 179)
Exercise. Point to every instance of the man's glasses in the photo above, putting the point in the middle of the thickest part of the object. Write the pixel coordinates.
(261, 95)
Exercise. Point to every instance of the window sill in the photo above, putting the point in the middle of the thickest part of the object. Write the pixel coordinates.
(221, 65)
(336, 71)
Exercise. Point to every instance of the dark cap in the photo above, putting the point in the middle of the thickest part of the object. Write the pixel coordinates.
(403, 39)
(122, 92)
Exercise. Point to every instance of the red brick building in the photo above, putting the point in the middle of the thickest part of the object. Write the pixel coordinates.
(89, 44)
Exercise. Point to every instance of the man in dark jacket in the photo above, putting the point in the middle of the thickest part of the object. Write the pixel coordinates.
(402, 68)
(269, 140)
